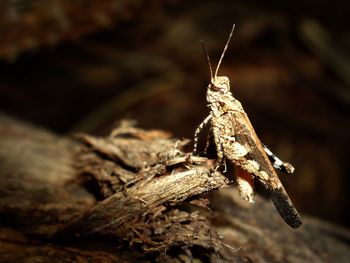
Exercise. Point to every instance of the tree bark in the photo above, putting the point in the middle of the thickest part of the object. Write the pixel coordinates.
(136, 195)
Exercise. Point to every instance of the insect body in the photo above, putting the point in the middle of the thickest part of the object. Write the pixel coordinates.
(236, 141)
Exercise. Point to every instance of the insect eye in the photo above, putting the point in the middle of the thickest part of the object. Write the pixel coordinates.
(213, 87)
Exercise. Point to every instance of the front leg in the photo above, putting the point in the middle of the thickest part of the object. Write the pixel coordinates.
(197, 132)
(207, 143)
(218, 143)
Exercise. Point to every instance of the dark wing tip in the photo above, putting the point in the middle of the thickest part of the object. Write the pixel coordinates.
(286, 208)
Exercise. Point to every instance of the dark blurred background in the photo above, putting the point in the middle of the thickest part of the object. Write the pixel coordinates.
(84, 65)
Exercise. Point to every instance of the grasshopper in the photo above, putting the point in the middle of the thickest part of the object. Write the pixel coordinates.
(236, 141)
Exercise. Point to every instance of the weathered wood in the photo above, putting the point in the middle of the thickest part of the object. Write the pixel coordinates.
(60, 201)
(39, 187)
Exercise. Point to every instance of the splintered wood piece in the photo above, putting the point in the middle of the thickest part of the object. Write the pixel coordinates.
(112, 215)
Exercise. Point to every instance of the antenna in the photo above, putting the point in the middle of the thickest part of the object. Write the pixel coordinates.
(223, 52)
(208, 59)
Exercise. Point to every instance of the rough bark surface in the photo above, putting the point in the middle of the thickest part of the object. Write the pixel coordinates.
(133, 196)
